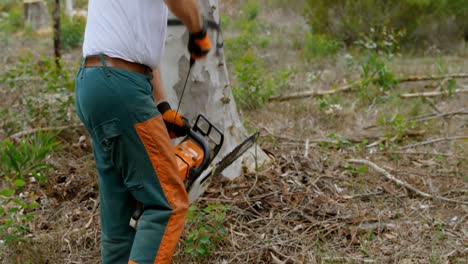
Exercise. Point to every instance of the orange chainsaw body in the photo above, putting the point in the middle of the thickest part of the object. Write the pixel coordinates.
(188, 155)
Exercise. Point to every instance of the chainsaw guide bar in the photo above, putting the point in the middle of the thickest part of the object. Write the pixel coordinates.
(198, 187)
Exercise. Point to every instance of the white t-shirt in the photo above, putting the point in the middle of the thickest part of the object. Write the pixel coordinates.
(131, 30)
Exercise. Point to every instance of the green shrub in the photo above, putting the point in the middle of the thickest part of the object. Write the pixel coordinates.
(253, 83)
(7, 5)
(21, 163)
(26, 158)
(319, 45)
(254, 86)
(11, 20)
(72, 31)
(431, 21)
(206, 230)
(377, 49)
(47, 92)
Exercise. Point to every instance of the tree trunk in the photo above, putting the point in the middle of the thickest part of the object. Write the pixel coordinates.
(36, 14)
(69, 7)
(57, 46)
(208, 88)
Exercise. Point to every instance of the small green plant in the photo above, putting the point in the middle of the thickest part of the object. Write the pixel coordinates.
(206, 230)
(336, 141)
(21, 163)
(16, 212)
(356, 171)
(26, 159)
(396, 126)
(450, 87)
(379, 48)
(318, 46)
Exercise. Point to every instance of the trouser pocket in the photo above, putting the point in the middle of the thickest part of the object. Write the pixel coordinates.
(108, 133)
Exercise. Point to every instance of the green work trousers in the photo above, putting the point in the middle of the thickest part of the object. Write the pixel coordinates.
(135, 163)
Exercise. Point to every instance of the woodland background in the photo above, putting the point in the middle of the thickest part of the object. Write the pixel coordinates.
(362, 106)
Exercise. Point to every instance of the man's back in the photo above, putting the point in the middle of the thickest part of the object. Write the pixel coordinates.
(130, 30)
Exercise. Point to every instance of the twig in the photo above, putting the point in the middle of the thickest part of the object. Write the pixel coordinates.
(402, 183)
(431, 141)
(43, 129)
(431, 94)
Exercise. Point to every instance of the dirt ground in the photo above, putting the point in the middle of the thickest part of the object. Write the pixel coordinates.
(342, 186)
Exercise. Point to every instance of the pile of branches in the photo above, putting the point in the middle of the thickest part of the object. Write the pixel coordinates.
(330, 207)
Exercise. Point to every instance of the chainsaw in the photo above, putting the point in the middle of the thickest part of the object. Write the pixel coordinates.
(194, 156)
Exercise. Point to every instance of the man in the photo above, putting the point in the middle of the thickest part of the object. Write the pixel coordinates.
(120, 100)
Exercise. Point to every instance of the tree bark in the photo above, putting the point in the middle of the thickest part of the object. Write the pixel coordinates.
(36, 14)
(208, 88)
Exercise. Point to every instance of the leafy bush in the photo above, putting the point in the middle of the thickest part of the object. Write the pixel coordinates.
(72, 31)
(11, 19)
(424, 20)
(253, 83)
(47, 92)
(319, 45)
(254, 87)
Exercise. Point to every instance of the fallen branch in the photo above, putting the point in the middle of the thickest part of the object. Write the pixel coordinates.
(432, 141)
(401, 182)
(432, 77)
(441, 115)
(431, 94)
(314, 93)
(21, 134)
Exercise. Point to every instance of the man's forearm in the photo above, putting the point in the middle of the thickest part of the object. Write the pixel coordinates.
(187, 11)
(158, 89)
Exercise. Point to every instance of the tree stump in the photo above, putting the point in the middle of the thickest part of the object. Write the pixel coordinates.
(36, 14)
(208, 89)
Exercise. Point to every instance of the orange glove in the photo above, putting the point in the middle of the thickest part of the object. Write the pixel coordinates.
(199, 43)
(176, 124)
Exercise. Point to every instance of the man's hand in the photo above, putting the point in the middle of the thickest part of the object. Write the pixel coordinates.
(187, 10)
(199, 43)
(176, 124)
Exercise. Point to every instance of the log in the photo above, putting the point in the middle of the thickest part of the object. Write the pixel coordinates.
(36, 15)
